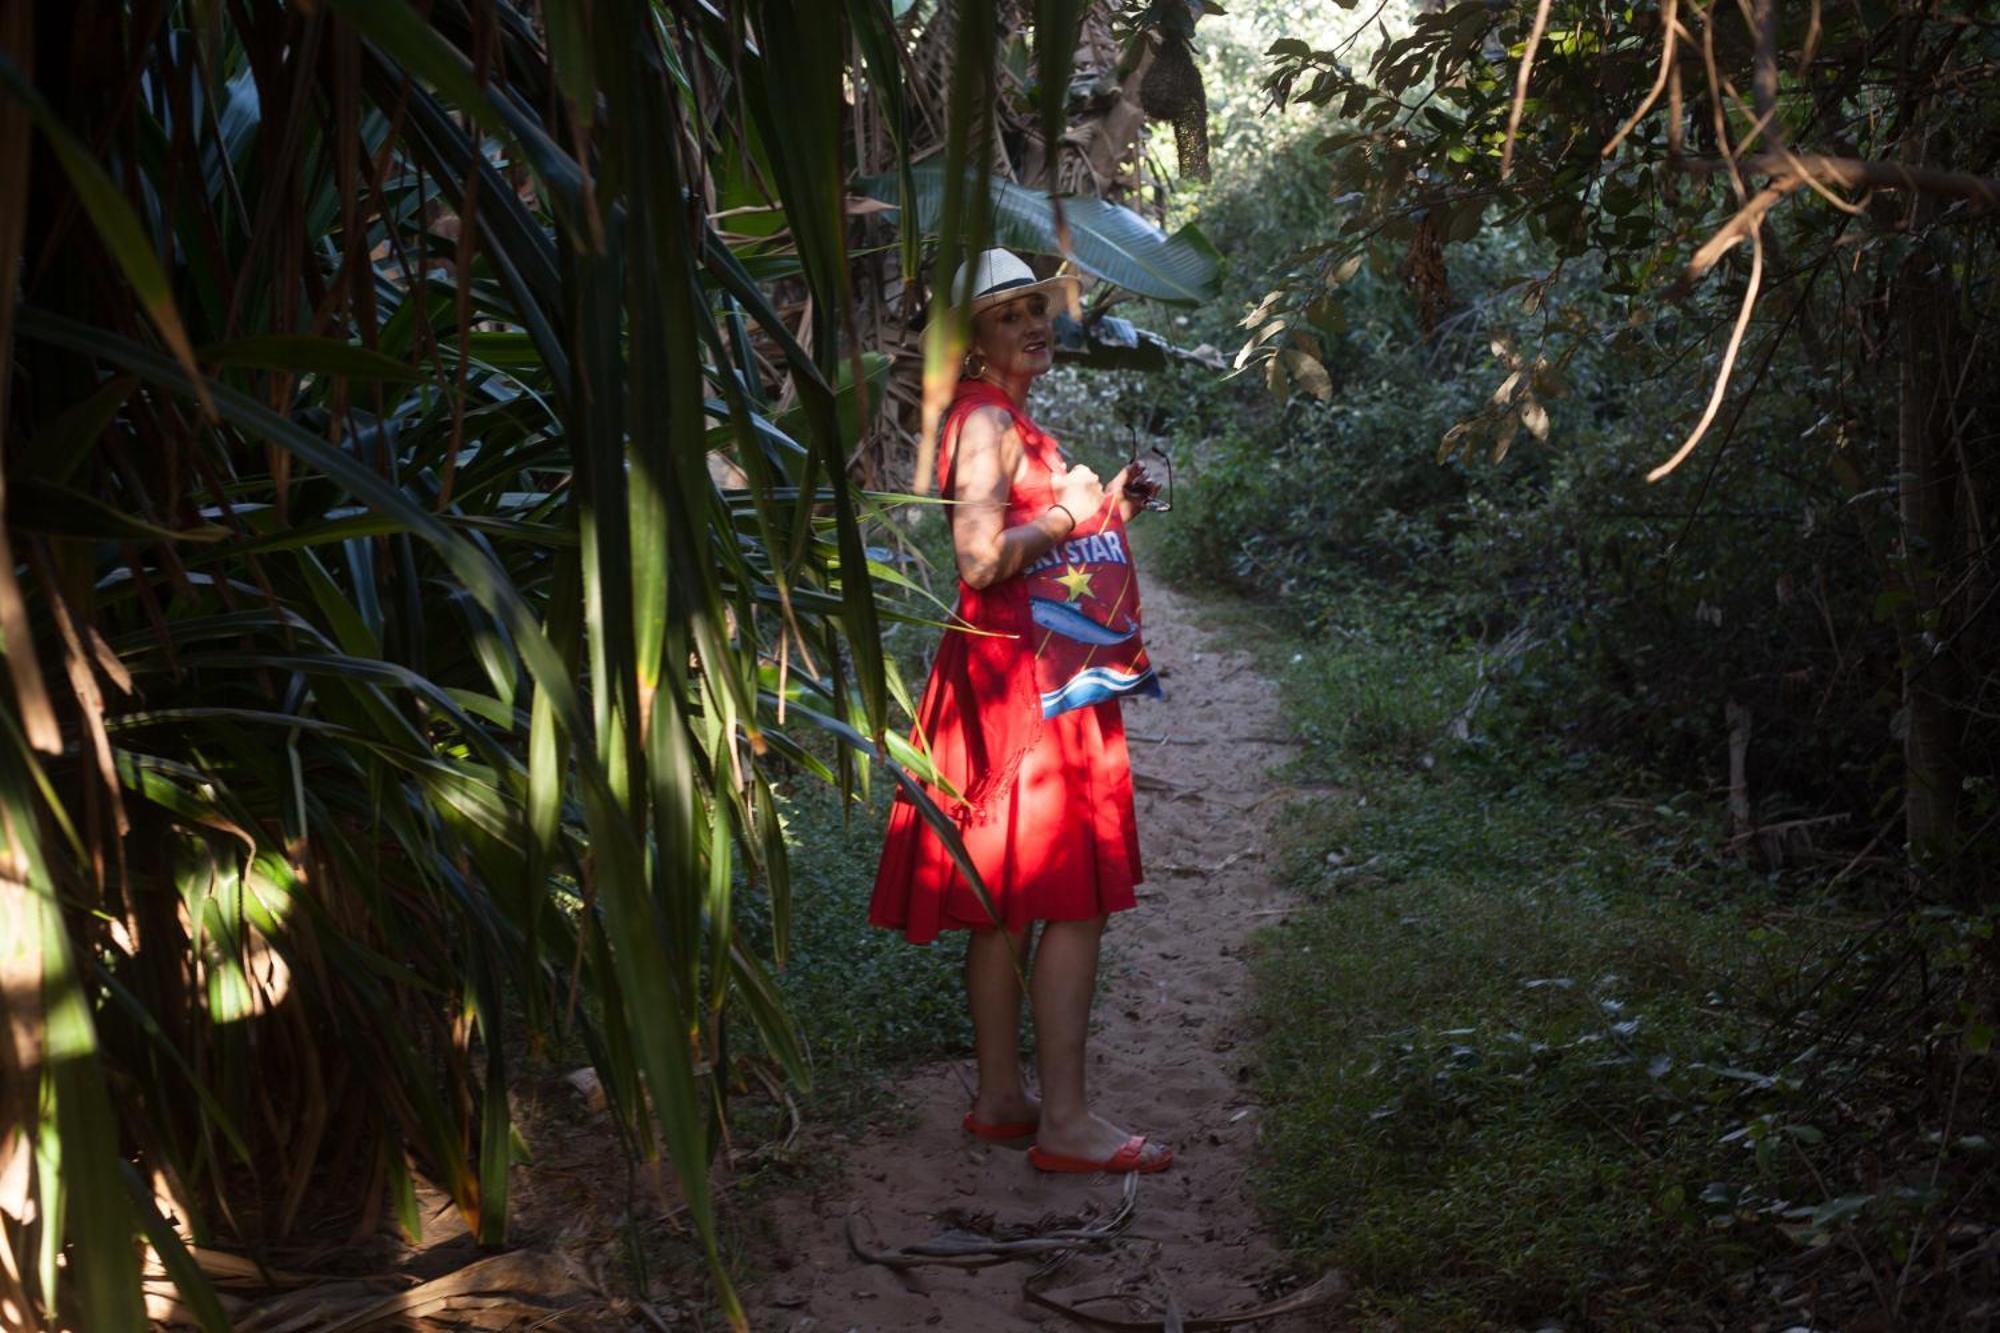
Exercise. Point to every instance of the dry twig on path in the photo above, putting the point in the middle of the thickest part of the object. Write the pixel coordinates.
(956, 1247)
(1322, 1292)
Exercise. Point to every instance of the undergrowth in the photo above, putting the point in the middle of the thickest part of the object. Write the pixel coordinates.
(1537, 1053)
(868, 1003)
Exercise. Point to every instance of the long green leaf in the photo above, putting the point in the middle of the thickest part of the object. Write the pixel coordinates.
(62, 445)
(117, 225)
(87, 1205)
(1058, 24)
(189, 1280)
(880, 43)
(313, 356)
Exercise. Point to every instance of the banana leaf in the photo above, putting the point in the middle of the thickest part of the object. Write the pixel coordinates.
(1107, 240)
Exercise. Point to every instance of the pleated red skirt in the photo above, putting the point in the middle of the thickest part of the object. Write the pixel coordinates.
(1063, 845)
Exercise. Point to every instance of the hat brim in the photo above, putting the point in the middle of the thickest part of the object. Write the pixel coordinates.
(1066, 283)
(1063, 282)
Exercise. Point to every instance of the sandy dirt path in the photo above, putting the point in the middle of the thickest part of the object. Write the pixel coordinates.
(1171, 1058)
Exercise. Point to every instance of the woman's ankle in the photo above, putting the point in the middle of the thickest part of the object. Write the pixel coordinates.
(1006, 1104)
(1061, 1119)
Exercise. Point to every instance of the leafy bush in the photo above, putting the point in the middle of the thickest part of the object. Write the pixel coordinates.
(1566, 1062)
(1634, 617)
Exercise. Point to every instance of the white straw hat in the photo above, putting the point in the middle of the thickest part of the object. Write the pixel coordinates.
(994, 277)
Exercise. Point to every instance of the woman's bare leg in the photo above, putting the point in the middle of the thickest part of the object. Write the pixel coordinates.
(1064, 980)
(993, 992)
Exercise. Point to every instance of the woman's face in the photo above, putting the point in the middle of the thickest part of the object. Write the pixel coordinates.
(1015, 338)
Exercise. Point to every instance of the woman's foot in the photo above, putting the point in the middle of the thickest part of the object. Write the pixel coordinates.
(1013, 1115)
(1092, 1143)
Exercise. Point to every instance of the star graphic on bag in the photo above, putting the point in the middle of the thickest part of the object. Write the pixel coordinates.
(1077, 581)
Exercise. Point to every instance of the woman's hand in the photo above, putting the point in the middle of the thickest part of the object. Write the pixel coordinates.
(1079, 491)
(1132, 489)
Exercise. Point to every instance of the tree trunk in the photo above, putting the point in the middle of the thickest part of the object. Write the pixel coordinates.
(1927, 485)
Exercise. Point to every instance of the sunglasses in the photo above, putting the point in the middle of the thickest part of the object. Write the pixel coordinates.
(1162, 498)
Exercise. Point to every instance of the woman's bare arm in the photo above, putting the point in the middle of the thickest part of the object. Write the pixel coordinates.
(989, 453)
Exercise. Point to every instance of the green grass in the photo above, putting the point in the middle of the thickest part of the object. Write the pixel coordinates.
(1376, 700)
(1500, 1041)
(867, 1002)
(870, 1003)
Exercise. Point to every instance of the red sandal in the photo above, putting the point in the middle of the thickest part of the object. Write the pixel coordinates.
(1131, 1157)
(1000, 1133)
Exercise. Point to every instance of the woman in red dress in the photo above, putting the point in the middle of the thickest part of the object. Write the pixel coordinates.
(1043, 804)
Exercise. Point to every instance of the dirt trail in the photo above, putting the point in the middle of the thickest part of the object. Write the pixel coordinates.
(1171, 1058)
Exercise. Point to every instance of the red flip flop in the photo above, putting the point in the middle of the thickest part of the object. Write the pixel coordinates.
(1001, 1133)
(1131, 1157)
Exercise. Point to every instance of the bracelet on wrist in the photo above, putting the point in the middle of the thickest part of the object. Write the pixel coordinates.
(1066, 514)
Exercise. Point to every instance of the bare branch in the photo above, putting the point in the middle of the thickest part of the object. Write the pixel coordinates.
(1764, 69)
(1521, 86)
(1801, 169)
(1791, 171)
(1728, 356)
(1716, 109)
(1794, 165)
(1675, 147)
(1359, 29)
(1855, 174)
(1758, 124)
(1671, 25)
(1745, 223)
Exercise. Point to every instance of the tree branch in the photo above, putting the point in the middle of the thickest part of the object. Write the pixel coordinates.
(1659, 84)
(1764, 69)
(1856, 173)
(1521, 86)
(1792, 171)
(1728, 358)
(1742, 225)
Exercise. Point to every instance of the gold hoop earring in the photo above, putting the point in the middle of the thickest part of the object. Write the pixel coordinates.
(973, 366)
